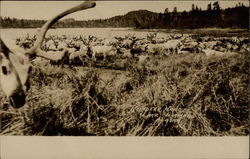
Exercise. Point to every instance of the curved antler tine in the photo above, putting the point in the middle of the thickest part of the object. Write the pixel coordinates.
(41, 32)
(172, 36)
(8, 44)
(181, 34)
(3, 48)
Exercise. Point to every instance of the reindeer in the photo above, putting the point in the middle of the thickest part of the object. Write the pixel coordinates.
(15, 62)
(103, 50)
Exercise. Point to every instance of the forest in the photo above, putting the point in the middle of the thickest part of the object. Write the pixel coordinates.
(213, 16)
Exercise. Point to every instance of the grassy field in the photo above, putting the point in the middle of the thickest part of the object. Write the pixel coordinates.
(175, 95)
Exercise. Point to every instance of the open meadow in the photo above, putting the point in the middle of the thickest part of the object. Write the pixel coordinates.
(133, 83)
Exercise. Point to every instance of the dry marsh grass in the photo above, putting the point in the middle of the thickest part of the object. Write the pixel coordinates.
(176, 95)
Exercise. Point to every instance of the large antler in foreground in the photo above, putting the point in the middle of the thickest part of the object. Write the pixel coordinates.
(42, 32)
(15, 61)
(36, 50)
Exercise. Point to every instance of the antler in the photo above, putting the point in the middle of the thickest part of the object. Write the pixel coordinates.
(9, 45)
(181, 35)
(172, 36)
(36, 50)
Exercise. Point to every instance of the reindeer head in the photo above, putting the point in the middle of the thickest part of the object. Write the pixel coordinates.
(15, 66)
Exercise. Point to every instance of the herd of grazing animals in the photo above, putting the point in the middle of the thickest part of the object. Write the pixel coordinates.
(74, 50)
(79, 48)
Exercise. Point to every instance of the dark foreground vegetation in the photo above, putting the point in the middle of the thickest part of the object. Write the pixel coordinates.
(214, 16)
(189, 94)
(182, 95)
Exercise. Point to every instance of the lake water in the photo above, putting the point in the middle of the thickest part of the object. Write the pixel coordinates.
(98, 32)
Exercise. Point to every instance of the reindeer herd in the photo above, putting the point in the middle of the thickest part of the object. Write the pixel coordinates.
(79, 48)
(16, 57)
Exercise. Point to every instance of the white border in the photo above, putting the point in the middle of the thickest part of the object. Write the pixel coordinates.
(28, 147)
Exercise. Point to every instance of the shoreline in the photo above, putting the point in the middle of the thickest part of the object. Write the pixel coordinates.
(200, 31)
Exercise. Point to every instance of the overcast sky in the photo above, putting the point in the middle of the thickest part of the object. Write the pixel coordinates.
(104, 9)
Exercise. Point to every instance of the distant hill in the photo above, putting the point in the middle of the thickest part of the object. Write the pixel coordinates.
(136, 19)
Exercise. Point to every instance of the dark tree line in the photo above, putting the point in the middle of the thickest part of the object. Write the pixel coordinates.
(213, 16)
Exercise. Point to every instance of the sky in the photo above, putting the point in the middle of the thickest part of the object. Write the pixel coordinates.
(104, 9)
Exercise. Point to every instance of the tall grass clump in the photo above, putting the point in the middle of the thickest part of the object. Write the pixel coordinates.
(60, 102)
(192, 95)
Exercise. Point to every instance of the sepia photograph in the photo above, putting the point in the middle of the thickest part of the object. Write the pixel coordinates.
(124, 68)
